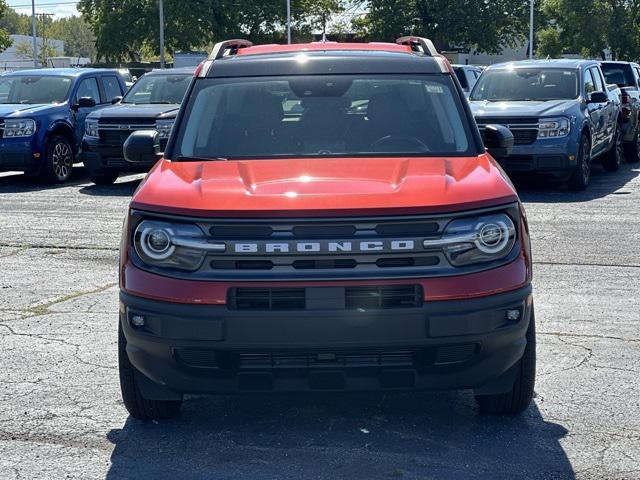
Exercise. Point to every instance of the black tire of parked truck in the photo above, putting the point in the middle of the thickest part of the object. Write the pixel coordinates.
(59, 158)
(135, 403)
(517, 399)
(632, 149)
(103, 178)
(613, 158)
(579, 179)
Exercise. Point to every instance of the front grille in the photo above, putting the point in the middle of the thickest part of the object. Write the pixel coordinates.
(412, 358)
(350, 298)
(114, 131)
(525, 130)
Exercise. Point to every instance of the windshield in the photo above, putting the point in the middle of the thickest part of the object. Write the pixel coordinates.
(34, 89)
(319, 116)
(522, 84)
(158, 89)
(462, 78)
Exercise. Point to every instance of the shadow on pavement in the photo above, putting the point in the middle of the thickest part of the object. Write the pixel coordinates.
(541, 190)
(124, 188)
(420, 435)
(21, 183)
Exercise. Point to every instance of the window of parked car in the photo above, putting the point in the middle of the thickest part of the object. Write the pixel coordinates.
(462, 78)
(589, 82)
(597, 79)
(621, 75)
(151, 89)
(34, 89)
(306, 116)
(89, 88)
(526, 84)
(111, 88)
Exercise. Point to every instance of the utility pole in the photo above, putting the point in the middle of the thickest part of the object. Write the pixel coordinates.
(531, 29)
(161, 33)
(289, 22)
(33, 32)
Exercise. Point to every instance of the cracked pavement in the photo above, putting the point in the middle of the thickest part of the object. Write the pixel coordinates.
(61, 415)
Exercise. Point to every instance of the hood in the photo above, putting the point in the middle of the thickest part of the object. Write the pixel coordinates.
(22, 110)
(133, 111)
(319, 187)
(550, 108)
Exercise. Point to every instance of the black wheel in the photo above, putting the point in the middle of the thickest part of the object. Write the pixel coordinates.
(580, 177)
(103, 178)
(138, 406)
(632, 149)
(519, 397)
(59, 160)
(613, 158)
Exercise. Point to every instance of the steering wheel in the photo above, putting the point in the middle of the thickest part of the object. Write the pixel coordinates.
(406, 139)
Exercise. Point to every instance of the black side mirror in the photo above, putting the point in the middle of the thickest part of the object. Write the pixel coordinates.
(597, 97)
(142, 146)
(86, 102)
(115, 100)
(498, 140)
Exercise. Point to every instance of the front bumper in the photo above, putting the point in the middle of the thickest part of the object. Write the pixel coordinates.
(17, 154)
(103, 158)
(186, 348)
(556, 157)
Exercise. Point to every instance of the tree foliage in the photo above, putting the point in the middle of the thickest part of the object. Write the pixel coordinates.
(5, 41)
(484, 25)
(590, 28)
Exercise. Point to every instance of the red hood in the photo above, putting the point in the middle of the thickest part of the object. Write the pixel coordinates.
(323, 186)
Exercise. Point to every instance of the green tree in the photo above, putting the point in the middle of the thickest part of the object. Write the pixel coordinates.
(15, 23)
(484, 25)
(78, 38)
(5, 41)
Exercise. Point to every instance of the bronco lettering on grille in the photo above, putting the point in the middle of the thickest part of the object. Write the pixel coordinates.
(325, 247)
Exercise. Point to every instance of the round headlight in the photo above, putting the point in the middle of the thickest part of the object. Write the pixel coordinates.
(156, 243)
(493, 237)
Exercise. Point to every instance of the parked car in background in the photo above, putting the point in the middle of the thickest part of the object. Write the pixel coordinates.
(42, 117)
(561, 112)
(152, 103)
(467, 76)
(128, 78)
(626, 75)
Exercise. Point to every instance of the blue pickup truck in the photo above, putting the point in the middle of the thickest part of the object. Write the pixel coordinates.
(42, 116)
(562, 114)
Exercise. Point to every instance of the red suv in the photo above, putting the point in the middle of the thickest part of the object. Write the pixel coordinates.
(325, 217)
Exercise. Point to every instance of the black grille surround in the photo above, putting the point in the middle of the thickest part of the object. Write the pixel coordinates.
(257, 265)
(525, 130)
(113, 132)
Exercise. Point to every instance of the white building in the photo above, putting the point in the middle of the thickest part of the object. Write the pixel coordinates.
(11, 59)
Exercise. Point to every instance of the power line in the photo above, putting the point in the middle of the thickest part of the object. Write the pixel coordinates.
(43, 4)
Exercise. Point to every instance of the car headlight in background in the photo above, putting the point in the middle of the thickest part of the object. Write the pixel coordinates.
(164, 128)
(476, 240)
(553, 127)
(172, 245)
(19, 127)
(91, 128)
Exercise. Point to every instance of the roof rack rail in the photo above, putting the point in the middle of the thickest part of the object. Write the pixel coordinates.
(220, 49)
(419, 44)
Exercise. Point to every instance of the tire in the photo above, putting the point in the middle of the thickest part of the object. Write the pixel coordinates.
(135, 403)
(104, 178)
(580, 177)
(59, 160)
(632, 149)
(519, 397)
(613, 158)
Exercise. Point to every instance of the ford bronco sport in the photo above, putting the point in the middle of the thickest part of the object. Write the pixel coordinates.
(325, 217)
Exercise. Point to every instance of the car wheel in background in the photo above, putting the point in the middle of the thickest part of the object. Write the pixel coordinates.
(613, 158)
(519, 397)
(632, 149)
(135, 403)
(58, 161)
(580, 177)
(103, 178)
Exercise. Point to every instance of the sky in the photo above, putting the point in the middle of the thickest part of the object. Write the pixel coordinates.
(60, 8)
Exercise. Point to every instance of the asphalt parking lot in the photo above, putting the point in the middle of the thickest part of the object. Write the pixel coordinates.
(61, 415)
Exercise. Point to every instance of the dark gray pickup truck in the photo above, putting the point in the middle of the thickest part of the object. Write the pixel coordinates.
(626, 75)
